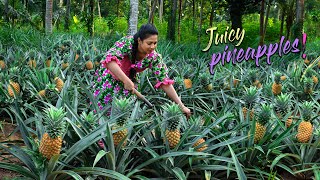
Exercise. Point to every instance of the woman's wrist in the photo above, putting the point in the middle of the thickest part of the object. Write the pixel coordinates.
(181, 105)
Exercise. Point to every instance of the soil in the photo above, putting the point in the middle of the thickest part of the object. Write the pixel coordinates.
(7, 136)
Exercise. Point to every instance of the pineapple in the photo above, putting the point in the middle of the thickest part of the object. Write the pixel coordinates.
(14, 86)
(59, 83)
(77, 54)
(202, 147)
(172, 115)
(89, 64)
(307, 61)
(283, 106)
(305, 128)
(276, 86)
(308, 84)
(319, 64)
(42, 93)
(32, 62)
(2, 63)
(187, 78)
(315, 79)
(263, 118)
(282, 78)
(64, 65)
(250, 97)
(48, 61)
(97, 60)
(236, 82)
(55, 127)
(121, 108)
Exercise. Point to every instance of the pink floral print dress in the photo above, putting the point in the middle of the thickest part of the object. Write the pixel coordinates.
(106, 85)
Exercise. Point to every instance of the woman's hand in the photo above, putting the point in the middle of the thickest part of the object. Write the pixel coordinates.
(128, 85)
(185, 110)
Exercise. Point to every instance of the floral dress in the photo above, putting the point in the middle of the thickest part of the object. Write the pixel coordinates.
(106, 85)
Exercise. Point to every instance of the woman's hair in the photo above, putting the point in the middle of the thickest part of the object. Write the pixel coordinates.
(144, 32)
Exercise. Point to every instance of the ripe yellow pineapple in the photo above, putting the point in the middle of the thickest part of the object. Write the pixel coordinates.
(250, 98)
(48, 61)
(283, 78)
(307, 61)
(2, 63)
(315, 79)
(263, 118)
(276, 86)
(172, 116)
(42, 93)
(59, 83)
(305, 128)
(289, 122)
(55, 126)
(13, 86)
(319, 64)
(121, 108)
(89, 65)
(202, 147)
(77, 55)
(32, 62)
(64, 65)
(187, 83)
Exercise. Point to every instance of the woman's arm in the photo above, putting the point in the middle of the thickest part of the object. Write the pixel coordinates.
(171, 92)
(117, 71)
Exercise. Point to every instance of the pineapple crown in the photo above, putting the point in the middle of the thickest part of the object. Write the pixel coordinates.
(122, 107)
(172, 114)
(308, 83)
(307, 109)
(90, 118)
(251, 96)
(54, 121)
(264, 114)
(277, 77)
(13, 74)
(252, 75)
(283, 103)
(67, 43)
(204, 79)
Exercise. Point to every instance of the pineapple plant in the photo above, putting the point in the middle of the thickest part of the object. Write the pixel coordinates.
(283, 106)
(305, 128)
(2, 63)
(172, 116)
(263, 118)
(89, 64)
(59, 83)
(253, 79)
(250, 98)
(121, 108)
(32, 62)
(55, 127)
(277, 86)
(308, 85)
(13, 86)
(205, 81)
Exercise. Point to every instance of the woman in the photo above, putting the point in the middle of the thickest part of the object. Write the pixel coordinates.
(128, 56)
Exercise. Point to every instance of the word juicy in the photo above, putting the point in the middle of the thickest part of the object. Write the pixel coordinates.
(238, 55)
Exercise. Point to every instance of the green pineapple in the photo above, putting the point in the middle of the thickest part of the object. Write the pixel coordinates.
(55, 126)
(172, 115)
(250, 98)
(121, 108)
(263, 118)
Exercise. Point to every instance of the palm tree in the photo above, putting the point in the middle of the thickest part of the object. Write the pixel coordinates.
(133, 20)
(49, 16)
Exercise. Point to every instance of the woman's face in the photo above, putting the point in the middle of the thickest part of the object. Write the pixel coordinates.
(147, 45)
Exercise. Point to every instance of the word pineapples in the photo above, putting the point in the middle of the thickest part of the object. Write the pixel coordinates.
(89, 64)
(55, 126)
(308, 85)
(283, 106)
(172, 115)
(250, 98)
(305, 128)
(277, 86)
(121, 108)
(263, 118)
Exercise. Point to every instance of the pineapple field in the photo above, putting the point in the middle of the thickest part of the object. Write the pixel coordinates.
(246, 123)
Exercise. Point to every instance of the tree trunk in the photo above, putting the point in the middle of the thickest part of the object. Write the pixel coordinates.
(48, 22)
(99, 10)
(67, 17)
(283, 11)
(298, 30)
(179, 20)
(200, 23)
(6, 10)
(82, 5)
(160, 10)
(61, 3)
(266, 23)
(262, 23)
(133, 19)
(212, 14)
(150, 20)
(172, 21)
(193, 14)
(90, 19)
(289, 19)
(235, 15)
